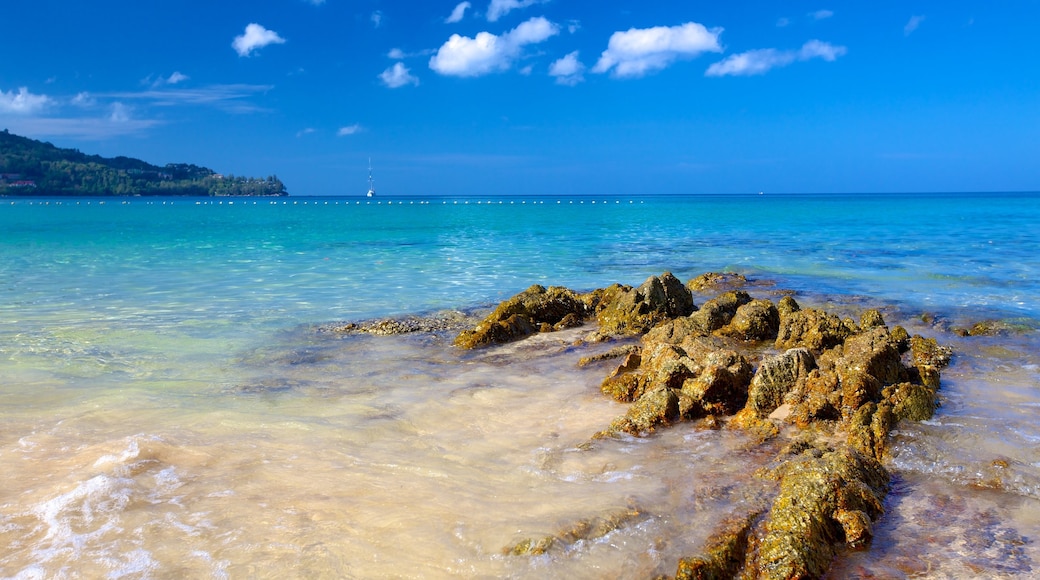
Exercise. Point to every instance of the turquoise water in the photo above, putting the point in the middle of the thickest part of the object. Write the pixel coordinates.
(167, 347)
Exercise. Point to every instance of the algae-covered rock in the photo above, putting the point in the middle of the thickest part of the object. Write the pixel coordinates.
(871, 319)
(584, 529)
(614, 353)
(873, 353)
(533, 310)
(911, 402)
(715, 281)
(814, 513)
(812, 329)
(625, 310)
(819, 400)
(724, 554)
(721, 388)
(777, 376)
(654, 408)
(787, 305)
(673, 331)
(719, 311)
(756, 320)
(928, 352)
(868, 428)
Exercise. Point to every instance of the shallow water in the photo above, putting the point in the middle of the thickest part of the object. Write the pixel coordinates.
(172, 408)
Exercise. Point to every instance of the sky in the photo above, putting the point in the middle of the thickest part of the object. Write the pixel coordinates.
(553, 97)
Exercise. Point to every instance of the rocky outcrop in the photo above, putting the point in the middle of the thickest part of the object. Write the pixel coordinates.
(837, 387)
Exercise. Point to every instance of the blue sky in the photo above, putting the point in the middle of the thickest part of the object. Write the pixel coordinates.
(551, 97)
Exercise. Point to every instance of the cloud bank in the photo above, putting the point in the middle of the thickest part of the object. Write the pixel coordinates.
(255, 37)
(639, 51)
(487, 53)
(757, 62)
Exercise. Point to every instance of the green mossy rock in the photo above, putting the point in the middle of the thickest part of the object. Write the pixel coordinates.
(715, 281)
(776, 377)
(754, 321)
(928, 352)
(624, 310)
(819, 492)
(812, 329)
(534, 310)
(719, 311)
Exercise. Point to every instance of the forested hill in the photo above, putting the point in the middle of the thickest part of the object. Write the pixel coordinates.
(30, 167)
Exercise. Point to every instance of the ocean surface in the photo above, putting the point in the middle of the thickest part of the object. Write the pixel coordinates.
(173, 404)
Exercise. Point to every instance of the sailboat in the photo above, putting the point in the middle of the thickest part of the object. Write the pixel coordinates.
(371, 183)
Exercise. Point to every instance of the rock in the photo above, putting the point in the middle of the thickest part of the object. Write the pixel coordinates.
(624, 310)
(715, 281)
(756, 320)
(787, 305)
(911, 402)
(614, 353)
(928, 352)
(533, 310)
(874, 353)
(724, 554)
(584, 529)
(815, 512)
(776, 377)
(868, 429)
(673, 331)
(720, 389)
(812, 329)
(654, 408)
(820, 399)
(719, 311)
(871, 319)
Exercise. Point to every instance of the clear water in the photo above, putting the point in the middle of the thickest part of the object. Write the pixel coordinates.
(169, 408)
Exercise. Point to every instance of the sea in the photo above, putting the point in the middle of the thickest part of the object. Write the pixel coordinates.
(178, 398)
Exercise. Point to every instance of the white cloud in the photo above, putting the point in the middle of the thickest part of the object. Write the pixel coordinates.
(84, 99)
(398, 76)
(458, 12)
(120, 113)
(376, 18)
(486, 53)
(396, 54)
(568, 70)
(821, 14)
(499, 8)
(349, 130)
(573, 26)
(255, 37)
(641, 50)
(176, 77)
(912, 25)
(756, 62)
(303, 132)
(23, 102)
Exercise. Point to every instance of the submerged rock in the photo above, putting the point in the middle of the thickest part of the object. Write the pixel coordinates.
(716, 281)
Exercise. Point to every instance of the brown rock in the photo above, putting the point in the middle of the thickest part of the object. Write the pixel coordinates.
(812, 329)
(776, 377)
(756, 320)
